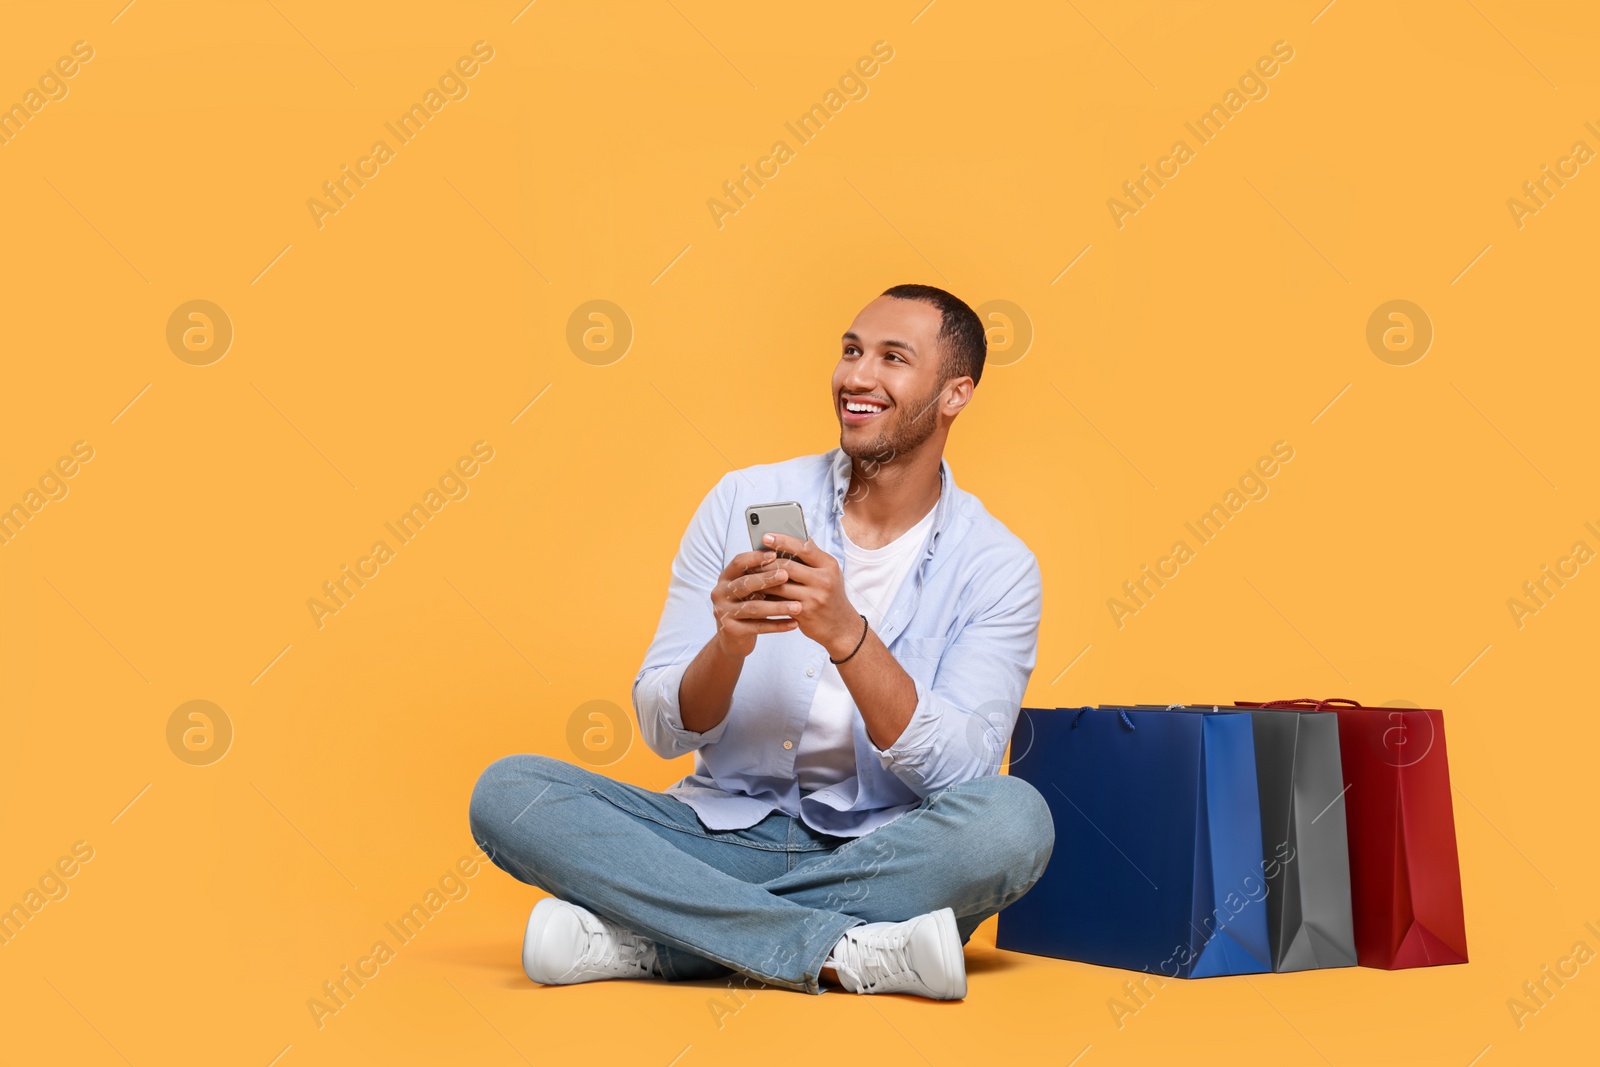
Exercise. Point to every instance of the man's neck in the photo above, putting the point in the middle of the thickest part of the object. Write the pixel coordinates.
(887, 499)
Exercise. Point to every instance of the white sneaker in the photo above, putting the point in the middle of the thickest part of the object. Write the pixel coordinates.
(566, 944)
(921, 956)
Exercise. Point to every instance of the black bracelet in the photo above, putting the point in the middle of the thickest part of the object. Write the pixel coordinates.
(859, 643)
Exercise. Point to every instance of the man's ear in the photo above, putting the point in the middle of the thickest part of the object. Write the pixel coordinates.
(957, 394)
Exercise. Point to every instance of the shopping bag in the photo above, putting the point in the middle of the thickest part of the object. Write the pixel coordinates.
(1157, 863)
(1405, 877)
(1299, 783)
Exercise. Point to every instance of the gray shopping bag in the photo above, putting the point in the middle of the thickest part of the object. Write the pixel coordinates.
(1301, 783)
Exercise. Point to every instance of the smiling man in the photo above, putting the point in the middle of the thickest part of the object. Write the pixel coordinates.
(846, 823)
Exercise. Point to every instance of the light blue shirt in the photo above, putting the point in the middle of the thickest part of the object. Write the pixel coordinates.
(964, 626)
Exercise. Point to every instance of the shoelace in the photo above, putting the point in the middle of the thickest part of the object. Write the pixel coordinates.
(880, 957)
(616, 946)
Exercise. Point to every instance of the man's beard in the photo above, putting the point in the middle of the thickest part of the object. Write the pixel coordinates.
(904, 436)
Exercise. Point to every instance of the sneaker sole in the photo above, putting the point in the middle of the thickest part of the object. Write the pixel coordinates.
(537, 917)
(950, 942)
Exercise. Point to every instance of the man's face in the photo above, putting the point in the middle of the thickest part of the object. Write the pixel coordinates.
(889, 369)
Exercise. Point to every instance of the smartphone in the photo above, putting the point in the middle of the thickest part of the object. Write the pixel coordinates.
(785, 518)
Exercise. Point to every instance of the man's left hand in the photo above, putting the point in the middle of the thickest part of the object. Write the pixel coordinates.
(817, 584)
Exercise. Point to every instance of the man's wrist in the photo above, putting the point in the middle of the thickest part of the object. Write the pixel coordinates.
(849, 639)
(725, 649)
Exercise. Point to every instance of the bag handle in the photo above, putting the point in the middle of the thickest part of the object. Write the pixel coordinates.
(1123, 715)
(1306, 703)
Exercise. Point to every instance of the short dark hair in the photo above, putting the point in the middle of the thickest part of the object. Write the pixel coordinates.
(961, 333)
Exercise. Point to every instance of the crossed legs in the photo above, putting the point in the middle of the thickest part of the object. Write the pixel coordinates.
(770, 901)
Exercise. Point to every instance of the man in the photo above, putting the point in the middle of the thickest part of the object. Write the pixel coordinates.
(847, 707)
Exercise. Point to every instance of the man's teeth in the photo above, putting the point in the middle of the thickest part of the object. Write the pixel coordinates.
(862, 407)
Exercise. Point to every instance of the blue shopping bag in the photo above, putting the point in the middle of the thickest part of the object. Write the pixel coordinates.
(1158, 862)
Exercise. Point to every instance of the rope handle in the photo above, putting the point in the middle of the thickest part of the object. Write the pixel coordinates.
(1123, 715)
(1305, 703)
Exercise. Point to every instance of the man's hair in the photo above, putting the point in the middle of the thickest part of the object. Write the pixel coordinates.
(961, 335)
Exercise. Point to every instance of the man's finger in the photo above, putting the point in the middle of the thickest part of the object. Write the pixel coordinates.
(799, 573)
(789, 590)
(809, 552)
(749, 584)
(760, 609)
(745, 562)
(762, 626)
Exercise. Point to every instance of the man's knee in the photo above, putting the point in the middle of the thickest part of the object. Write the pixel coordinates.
(1010, 817)
(505, 790)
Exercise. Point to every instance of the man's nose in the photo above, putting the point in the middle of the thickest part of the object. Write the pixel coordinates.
(860, 378)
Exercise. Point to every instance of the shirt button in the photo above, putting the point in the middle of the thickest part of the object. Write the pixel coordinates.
(788, 744)
(811, 672)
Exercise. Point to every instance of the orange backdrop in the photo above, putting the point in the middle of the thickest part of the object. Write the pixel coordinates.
(504, 288)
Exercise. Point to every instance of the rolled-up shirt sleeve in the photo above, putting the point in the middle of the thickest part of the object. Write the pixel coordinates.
(963, 720)
(685, 627)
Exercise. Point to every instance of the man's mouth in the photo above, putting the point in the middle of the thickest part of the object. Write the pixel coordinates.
(855, 410)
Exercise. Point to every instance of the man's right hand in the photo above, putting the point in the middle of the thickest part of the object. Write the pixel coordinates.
(741, 605)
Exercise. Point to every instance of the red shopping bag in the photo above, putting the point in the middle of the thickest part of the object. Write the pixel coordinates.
(1405, 877)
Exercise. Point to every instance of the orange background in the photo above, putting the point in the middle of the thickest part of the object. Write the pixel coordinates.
(368, 354)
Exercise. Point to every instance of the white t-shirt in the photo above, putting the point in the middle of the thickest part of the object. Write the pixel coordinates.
(826, 754)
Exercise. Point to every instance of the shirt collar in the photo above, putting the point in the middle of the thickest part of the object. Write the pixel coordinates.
(840, 468)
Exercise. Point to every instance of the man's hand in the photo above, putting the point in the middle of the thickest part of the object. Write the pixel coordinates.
(816, 585)
(741, 602)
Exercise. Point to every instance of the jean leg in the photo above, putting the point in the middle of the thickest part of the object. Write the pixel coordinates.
(605, 845)
(975, 848)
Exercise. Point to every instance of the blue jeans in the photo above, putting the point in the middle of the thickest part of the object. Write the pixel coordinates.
(770, 901)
